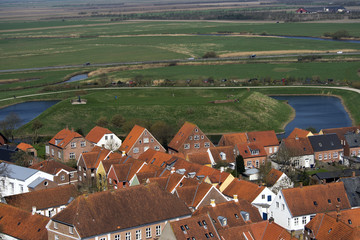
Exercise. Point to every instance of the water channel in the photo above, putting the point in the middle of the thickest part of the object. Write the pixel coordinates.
(319, 112)
(77, 78)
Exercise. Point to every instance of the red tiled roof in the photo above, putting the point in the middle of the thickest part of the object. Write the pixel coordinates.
(92, 159)
(156, 158)
(350, 214)
(126, 171)
(96, 134)
(24, 146)
(52, 167)
(22, 224)
(182, 135)
(168, 183)
(245, 150)
(196, 227)
(43, 199)
(299, 146)
(131, 138)
(229, 153)
(273, 176)
(315, 199)
(201, 158)
(244, 189)
(298, 133)
(340, 132)
(192, 195)
(265, 138)
(125, 208)
(64, 137)
(232, 139)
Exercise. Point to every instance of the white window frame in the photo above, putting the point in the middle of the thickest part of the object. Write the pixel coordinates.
(83, 144)
(138, 234)
(187, 146)
(303, 221)
(336, 155)
(52, 152)
(56, 237)
(146, 140)
(296, 221)
(128, 236)
(72, 155)
(73, 145)
(196, 145)
(56, 225)
(157, 148)
(148, 232)
(320, 156)
(325, 156)
(196, 137)
(158, 230)
(207, 144)
(71, 230)
(136, 150)
(117, 237)
(62, 177)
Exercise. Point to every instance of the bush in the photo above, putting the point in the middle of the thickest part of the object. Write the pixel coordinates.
(102, 122)
(117, 120)
(211, 54)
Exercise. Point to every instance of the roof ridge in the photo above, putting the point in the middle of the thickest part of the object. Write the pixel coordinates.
(192, 203)
(131, 165)
(267, 224)
(167, 182)
(319, 224)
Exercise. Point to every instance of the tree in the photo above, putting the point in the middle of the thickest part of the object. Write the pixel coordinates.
(36, 125)
(264, 170)
(117, 120)
(240, 166)
(162, 132)
(211, 54)
(22, 158)
(103, 79)
(112, 145)
(102, 122)
(311, 129)
(9, 124)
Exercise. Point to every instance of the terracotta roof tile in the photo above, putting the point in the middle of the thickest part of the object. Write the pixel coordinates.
(196, 227)
(316, 198)
(168, 183)
(192, 195)
(245, 150)
(125, 208)
(264, 138)
(43, 199)
(340, 132)
(350, 217)
(177, 142)
(126, 171)
(273, 176)
(131, 138)
(52, 167)
(299, 146)
(232, 212)
(63, 138)
(24, 146)
(216, 153)
(22, 224)
(156, 158)
(299, 133)
(201, 158)
(231, 139)
(96, 134)
(244, 189)
(92, 159)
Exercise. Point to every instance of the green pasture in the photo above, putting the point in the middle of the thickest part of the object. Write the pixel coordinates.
(254, 111)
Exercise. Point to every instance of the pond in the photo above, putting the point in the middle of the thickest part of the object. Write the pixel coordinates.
(77, 78)
(318, 112)
(26, 111)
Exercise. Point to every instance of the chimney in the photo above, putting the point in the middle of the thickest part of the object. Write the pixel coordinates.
(172, 170)
(296, 137)
(72, 129)
(292, 233)
(123, 153)
(222, 169)
(301, 184)
(271, 219)
(338, 214)
(353, 174)
(212, 202)
(33, 210)
(301, 236)
(235, 198)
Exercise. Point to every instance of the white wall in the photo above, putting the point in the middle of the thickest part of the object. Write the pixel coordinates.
(110, 141)
(262, 199)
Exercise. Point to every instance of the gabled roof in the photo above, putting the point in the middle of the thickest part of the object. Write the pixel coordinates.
(201, 158)
(156, 158)
(107, 163)
(264, 138)
(232, 212)
(298, 146)
(273, 176)
(193, 195)
(125, 208)
(126, 171)
(350, 217)
(22, 224)
(17, 172)
(24, 146)
(244, 189)
(352, 188)
(316, 198)
(131, 138)
(96, 134)
(326, 142)
(216, 153)
(231, 139)
(196, 227)
(168, 183)
(340, 132)
(63, 138)
(256, 231)
(178, 141)
(43, 199)
(299, 133)
(3, 139)
(52, 167)
(92, 159)
(352, 139)
(245, 150)
(6, 153)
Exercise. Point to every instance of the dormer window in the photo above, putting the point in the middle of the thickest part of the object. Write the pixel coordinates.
(223, 156)
(315, 203)
(320, 144)
(338, 199)
(349, 221)
(196, 130)
(190, 137)
(245, 215)
(329, 201)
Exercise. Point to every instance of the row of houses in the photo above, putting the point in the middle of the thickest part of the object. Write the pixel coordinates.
(328, 9)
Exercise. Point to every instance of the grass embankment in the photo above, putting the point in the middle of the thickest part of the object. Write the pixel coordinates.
(254, 111)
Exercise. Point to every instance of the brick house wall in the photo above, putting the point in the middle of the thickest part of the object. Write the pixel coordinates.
(45, 184)
(86, 176)
(254, 162)
(213, 194)
(143, 143)
(71, 151)
(351, 151)
(64, 177)
(62, 231)
(329, 156)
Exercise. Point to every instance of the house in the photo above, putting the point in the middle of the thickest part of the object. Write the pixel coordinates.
(196, 227)
(138, 141)
(7, 152)
(334, 9)
(352, 146)
(327, 148)
(253, 154)
(299, 133)
(277, 180)
(63, 174)
(352, 188)
(27, 148)
(67, 145)
(15, 179)
(20, 224)
(334, 176)
(310, 10)
(3, 139)
(299, 152)
(221, 155)
(137, 212)
(122, 175)
(189, 139)
(256, 231)
(293, 208)
(201, 158)
(103, 137)
(169, 183)
(46, 202)
(342, 225)
(200, 195)
(156, 158)
(231, 214)
(259, 196)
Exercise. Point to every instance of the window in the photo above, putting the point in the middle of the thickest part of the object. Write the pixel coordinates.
(140, 141)
(296, 221)
(297, 163)
(329, 155)
(196, 130)
(152, 140)
(103, 238)
(56, 237)
(83, 144)
(12, 187)
(157, 148)
(111, 137)
(289, 221)
(275, 149)
(277, 204)
(187, 146)
(196, 137)
(62, 177)
(197, 145)
(320, 156)
(128, 236)
(52, 152)
(325, 156)
(73, 145)
(303, 220)
(146, 140)
(257, 163)
(207, 144)
(282, 206)
(270, 150)
(146, 148)
(71, 175)
(55, 225)
(138, 235)
(110, 181)
(263, 196)
(72, 155)
(190, 137)
(106, 137)
(269, 198)
(71, 230)
(158, 230)
(21, 188)
(248, 163)
(135, 150)
(311, 217)
(117, 237)
(335, 155)
(148, 232)
(202, 136)
(59, 154)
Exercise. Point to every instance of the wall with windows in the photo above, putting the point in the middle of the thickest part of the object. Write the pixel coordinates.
(329, 156)
(110, 142)
(69, 152)
(143, 143)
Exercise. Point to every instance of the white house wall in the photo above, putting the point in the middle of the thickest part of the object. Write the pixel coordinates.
(116, 141)
(262, 199)
(280, 212)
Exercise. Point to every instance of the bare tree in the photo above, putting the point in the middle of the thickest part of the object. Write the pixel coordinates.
(36, 125)
(9, 124)
(112, 145)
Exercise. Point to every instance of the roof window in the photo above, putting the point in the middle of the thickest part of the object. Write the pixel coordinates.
(204, 222)
(338, 199)
(315, 203)
(236, 215)
(329, 201)
(207, 235)
(349, 221)
(320, 144)
(211, 234)
(199, 222)
(187, 227)
(330, 230)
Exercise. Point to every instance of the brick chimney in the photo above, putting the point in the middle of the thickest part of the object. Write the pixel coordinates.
(172, 170)
(212, 202)
(338, 214)
(236, 198)
(301, 184)
(33, 210)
